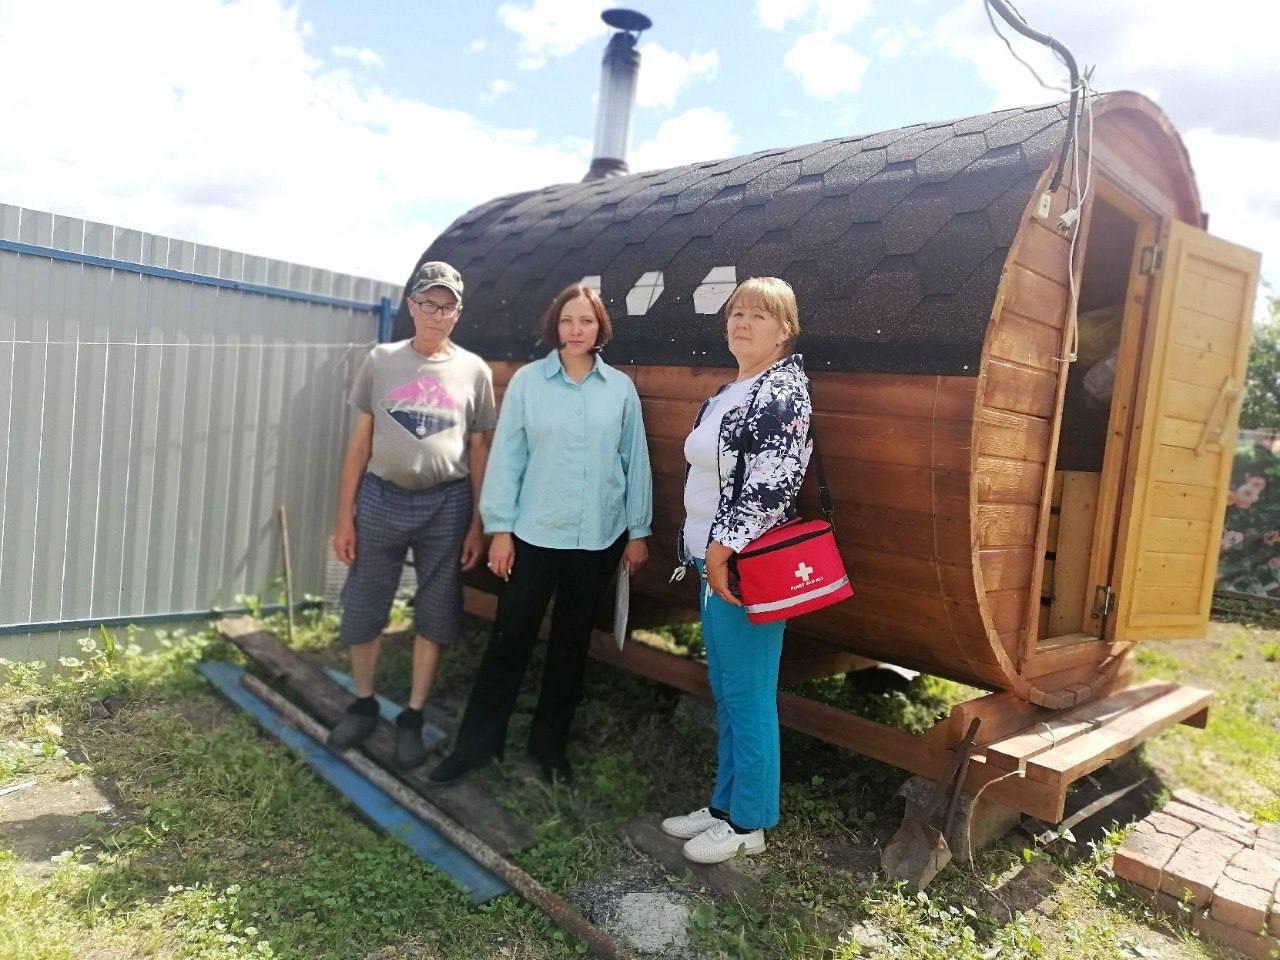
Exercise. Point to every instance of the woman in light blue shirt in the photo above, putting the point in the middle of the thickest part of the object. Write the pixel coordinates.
(567, 492)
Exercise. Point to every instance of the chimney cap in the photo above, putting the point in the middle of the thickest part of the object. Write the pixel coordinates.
(633, 21)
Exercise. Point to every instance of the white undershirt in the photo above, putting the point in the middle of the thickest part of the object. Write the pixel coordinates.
(701, 450)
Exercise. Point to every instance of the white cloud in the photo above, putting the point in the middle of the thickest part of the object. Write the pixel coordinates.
(697, 134)
(496, 89)
(826, 66)
(478, 45)
(776, 14)
(831, 16)
(1215, 74)
(893, 42)
(370, 59)
(1220, 70)
(664, 73)
(552, 27)
(244, 140)
(1238, 189)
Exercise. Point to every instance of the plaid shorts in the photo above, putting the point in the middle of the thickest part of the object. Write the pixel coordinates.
(389, 521)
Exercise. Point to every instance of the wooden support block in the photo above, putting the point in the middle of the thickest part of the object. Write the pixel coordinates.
(799, 669)
(1002, 714)
(1012, 752)
(1087, 753)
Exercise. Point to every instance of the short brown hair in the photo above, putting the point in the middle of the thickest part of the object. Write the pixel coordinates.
(551, 319)
(778, 299)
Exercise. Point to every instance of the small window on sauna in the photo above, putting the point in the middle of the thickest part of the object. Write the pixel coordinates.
(644, 294)
(714, 289)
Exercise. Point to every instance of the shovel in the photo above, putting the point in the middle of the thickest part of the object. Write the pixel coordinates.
(919, 850)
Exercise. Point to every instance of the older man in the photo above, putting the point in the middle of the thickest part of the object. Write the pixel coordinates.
(411, 479)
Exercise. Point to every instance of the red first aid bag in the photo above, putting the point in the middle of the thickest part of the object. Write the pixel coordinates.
(795, 568)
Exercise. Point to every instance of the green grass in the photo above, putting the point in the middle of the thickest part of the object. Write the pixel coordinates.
(1236, 759)
(225, 846)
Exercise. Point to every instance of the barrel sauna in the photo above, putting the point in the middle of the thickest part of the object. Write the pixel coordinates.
(1011, 519)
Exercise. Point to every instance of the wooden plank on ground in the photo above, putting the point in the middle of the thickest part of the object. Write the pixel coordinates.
(1087, 753)
(1012, 752)
(467, 802)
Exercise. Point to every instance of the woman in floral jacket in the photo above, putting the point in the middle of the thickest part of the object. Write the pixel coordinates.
(762, 418)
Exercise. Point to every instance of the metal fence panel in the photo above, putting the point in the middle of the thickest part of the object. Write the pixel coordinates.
(153, 425)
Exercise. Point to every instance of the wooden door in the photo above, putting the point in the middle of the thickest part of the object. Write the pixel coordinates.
(1183, 440)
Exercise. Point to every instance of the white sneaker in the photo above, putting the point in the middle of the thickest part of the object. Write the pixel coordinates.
(690, 825)
(721, 842)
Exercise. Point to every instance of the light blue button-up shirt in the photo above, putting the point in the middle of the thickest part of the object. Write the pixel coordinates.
(569, 466)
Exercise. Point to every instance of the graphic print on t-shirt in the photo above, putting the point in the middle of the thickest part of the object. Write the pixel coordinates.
(422, 407)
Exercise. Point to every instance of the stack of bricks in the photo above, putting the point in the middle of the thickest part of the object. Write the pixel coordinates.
(1201, 857)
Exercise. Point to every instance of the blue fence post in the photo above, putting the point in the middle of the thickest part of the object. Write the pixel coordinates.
(384, 320)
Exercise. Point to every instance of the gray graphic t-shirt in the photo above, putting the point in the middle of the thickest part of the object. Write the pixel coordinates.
(423, 409)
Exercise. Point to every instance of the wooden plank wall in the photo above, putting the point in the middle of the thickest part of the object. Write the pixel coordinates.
(897, 451)
(1015, 420)
(1018, 396)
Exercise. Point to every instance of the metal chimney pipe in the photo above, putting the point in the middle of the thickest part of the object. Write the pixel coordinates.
(619, 73)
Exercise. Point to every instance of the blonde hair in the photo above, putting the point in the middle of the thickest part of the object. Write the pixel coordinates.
(779, 301)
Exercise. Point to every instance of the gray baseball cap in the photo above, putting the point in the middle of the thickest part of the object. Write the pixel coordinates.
(437, 273)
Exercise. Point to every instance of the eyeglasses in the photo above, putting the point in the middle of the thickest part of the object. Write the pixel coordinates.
(433, 309)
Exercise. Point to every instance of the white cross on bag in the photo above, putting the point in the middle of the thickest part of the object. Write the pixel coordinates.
(803, 571)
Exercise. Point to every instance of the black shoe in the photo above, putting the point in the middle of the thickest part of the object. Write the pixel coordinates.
(555, 770)
(455, 767)
(353, 729)
(410, 750)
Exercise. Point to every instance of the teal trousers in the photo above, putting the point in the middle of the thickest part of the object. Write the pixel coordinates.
(742, 667)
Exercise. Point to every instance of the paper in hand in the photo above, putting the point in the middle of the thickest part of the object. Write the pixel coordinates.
(621, 605)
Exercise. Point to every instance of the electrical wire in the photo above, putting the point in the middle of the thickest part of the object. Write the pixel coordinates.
(1020, 25)
(1082, 192)
(1014, 53)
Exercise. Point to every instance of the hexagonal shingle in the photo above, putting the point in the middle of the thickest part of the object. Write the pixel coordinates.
(947, 260)
(987, 178)
(908, 225)
(894, 240)
(949, 157)
(917, 144)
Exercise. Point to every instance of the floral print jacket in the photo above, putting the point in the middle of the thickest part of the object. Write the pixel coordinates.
(772, 427)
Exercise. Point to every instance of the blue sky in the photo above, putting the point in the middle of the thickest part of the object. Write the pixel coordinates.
(346, 136)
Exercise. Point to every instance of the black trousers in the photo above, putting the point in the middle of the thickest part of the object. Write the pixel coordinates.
(577, 580)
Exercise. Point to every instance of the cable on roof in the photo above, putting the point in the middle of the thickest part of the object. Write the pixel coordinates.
(1015, 20)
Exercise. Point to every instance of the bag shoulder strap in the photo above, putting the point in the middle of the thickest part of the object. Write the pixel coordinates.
(825, 500)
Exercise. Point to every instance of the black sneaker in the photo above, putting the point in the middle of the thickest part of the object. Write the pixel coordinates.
(352, 730)
(455, 767)
(410, 750)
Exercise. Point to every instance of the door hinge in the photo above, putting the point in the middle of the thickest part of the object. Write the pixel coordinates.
(1152, 260)
(1103, 600)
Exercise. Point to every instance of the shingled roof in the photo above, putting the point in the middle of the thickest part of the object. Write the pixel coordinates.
(893, 241)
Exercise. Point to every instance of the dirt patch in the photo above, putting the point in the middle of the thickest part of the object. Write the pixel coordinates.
(44, 820)
(644, 908)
